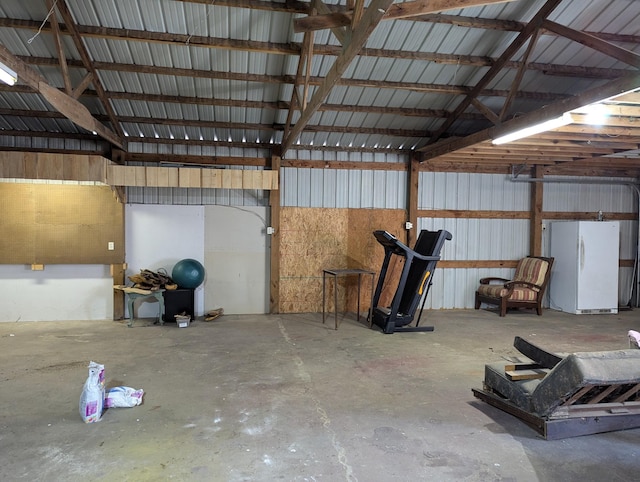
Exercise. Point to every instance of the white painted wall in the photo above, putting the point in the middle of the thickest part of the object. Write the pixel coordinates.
(230, 242)
(158, 236)
(60, 292)
(237, 259)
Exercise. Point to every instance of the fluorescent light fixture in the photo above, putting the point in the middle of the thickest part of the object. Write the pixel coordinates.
(7, 75)
(564, 120)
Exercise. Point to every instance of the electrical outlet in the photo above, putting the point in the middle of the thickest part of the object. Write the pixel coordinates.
(111, 246)
(270, 230)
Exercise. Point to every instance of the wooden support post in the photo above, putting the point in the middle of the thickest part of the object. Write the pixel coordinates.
(117, 273)
(274, 202)
(412, 198)
(535, 227)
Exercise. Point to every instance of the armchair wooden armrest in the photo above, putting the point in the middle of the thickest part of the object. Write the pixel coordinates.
(524, 284)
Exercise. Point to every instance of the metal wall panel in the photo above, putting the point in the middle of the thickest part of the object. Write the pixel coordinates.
(451, 190)
(494, 239)
(340, 188)
(455, 288)
(575, 196)
(197, 197)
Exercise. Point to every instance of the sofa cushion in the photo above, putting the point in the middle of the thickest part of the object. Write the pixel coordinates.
(603, 368)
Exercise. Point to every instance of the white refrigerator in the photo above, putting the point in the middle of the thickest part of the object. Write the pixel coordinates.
(584, 277)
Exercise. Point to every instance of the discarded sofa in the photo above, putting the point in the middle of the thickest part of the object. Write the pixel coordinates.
(567, 396)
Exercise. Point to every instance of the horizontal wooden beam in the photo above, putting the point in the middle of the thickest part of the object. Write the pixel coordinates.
(500, 264)
(342, 165)
(498, 214)
(294, 49)
(471, 214)
(191, 177)
(478, 263)
(87, 168)
(406, 10)
(283, 79)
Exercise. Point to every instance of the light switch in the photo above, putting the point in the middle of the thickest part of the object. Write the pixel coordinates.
(111, 246)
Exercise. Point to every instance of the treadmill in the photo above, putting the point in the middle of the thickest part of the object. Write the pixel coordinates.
(415, 279)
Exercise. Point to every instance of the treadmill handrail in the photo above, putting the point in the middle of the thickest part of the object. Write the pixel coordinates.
(425, 258)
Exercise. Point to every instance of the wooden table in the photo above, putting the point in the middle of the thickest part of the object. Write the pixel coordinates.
(336, 273)
(138, 293)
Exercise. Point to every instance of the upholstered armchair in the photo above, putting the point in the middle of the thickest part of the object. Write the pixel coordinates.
(525, 290)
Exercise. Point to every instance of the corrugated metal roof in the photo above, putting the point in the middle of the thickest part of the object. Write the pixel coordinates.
(191, 52)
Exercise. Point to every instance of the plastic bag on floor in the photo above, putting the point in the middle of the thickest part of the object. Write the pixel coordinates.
(123, 397)
(92, 397)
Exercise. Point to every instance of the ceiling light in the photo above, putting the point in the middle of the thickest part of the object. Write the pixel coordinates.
(564, 120)
(595, 114)
(7, 75)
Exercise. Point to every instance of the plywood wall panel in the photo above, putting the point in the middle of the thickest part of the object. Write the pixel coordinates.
(50, 166)
(12, 167)
(30, 165)
(97, 169)
(189, 177)
(74, 168)
(60, 224)
(211, 178)
(313, 239)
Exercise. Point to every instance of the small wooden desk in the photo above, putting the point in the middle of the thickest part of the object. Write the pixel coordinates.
(336, 273)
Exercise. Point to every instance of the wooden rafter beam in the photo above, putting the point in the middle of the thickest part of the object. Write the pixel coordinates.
(515, 86)
(63, 103)
(308, 57)
(421, 7)
(290, 6)
(358, 10)
(370, 19)
(61, 5)
(294, 6)
(181, 122)
(251, 104)
(57, 38)
(406, 10)
(488, 113)
(607, 48)
(296, 102)
(341, 33)
(118, 34)
(624, 84)
(82, 86)
(512, 26)
(290, 79)
(522, 37)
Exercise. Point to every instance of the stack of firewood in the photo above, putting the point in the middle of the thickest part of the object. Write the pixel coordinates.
(152, 280)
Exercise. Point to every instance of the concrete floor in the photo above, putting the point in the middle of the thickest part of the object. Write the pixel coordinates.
(286, 398)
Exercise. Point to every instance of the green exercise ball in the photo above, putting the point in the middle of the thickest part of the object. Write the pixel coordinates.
(188, 273)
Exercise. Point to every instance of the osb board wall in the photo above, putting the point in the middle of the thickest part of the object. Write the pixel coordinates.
(60, 224)
(313, 239)
(41, 165)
